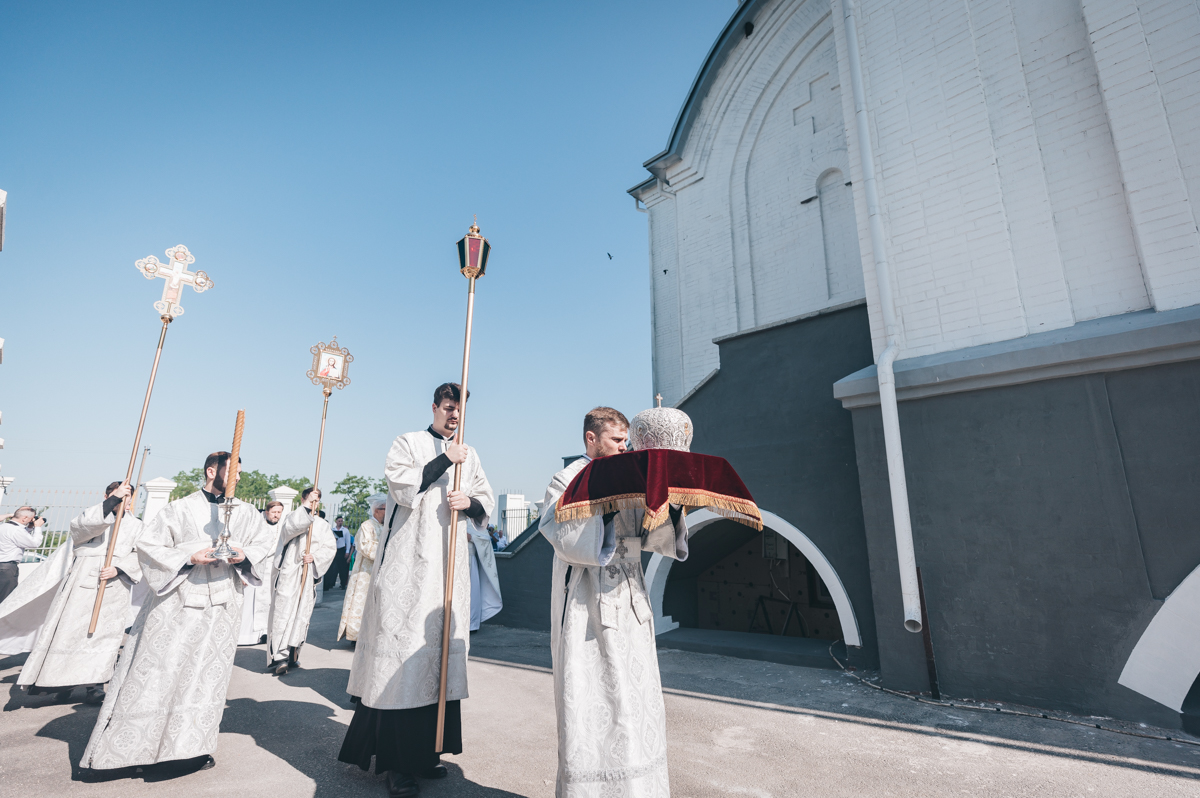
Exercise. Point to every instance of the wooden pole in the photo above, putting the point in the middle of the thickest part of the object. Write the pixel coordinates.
(316, 481)
(453, 541)
(120, 511)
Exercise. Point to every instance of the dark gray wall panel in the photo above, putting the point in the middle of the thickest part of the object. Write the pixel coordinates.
(770, 411)
(901, 653)
(525, 586)
(1157, 416)
(1026, 535)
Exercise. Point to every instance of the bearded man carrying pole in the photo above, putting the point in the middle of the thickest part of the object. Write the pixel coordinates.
(167, 695)
(397, 661)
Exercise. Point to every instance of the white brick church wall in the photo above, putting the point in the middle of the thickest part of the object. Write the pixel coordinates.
(1036, 160)
(756, 224)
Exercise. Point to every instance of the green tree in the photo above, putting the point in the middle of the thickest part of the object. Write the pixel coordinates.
(253, 486)
(187, 483)
(356, 490)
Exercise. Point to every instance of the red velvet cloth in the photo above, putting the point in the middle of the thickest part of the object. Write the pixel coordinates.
(653, 479)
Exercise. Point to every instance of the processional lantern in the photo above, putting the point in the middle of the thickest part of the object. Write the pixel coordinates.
(473, 251)
(175, 272)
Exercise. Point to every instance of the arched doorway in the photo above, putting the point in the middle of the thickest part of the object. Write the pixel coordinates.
(659, 568)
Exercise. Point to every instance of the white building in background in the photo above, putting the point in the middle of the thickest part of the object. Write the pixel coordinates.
(512, 514)
(1038, 175)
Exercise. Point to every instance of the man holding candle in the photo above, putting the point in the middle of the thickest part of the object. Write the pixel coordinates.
(167, 694)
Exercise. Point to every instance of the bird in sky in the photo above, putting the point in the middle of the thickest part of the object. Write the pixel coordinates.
(609, 254)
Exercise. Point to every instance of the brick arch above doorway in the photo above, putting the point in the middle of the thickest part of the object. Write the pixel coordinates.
(659, 568)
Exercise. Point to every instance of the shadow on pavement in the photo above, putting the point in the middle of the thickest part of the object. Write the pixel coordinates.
(74, 730)
(308, 737)
(329, 683)
(818, 692)
(516, 646)
(325, 619)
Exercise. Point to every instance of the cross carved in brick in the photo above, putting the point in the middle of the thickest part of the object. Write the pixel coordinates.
(818, 110)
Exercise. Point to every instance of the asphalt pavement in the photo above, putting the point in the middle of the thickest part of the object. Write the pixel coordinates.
(735, 727)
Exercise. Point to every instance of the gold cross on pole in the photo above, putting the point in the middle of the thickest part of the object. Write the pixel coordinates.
(177, 276)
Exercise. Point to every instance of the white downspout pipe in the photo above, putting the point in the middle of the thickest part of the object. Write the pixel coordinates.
(901, 519)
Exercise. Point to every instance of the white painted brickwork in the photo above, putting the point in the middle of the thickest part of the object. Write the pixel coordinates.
(1036, 160)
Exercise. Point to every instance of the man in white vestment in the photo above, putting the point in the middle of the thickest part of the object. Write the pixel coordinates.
(292, 602)
(366, 543)
(397, 661)
(485, 579)
(65, 656)
(256, 602)
(607, 692)
(167, 695)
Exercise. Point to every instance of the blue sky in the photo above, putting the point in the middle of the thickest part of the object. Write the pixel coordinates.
(320, 161)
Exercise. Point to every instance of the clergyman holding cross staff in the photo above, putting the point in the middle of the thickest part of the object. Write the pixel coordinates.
(397, 662)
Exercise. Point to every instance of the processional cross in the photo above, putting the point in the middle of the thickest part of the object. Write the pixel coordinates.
(177, 276)
(176, 273)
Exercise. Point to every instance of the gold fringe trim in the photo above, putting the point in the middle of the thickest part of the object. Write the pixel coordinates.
(745, 512)
(581, 510)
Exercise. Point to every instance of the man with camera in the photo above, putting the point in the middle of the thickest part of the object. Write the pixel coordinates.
(22, 531)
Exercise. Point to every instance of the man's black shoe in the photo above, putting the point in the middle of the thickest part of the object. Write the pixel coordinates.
(438, 771)
(401, 785)
(173, 768)
(94, 776)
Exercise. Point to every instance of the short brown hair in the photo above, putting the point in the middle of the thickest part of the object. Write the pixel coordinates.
(111, 487)
(304, 494)
(448, 390)
(272, 504)
(218, 459)
(597, 417)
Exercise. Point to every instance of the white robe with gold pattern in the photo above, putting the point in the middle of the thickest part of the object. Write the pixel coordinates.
(611, 719)
(291, 602)
(365, 544)
(167, 695)
(397, 662)
(64, 655)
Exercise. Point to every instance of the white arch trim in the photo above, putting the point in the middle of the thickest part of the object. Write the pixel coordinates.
(660, 566)
(1166, 660)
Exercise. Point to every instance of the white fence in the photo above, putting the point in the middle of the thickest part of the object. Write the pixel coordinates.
(58, 507)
